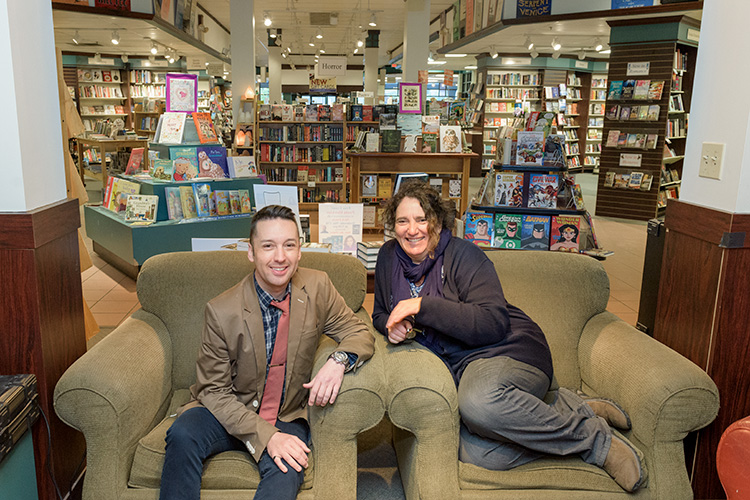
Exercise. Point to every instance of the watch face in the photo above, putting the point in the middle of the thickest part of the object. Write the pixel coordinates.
(341, 357)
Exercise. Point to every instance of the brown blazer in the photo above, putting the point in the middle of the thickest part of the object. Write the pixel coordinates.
(231, 366)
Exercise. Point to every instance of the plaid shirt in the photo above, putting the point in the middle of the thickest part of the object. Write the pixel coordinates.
(271, 316)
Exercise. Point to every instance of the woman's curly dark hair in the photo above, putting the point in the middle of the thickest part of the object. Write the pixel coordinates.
(440, 213)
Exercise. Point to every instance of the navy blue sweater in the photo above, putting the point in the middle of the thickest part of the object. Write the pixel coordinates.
(473, 320)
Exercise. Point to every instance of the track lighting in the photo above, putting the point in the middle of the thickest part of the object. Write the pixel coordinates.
(124, 58)
(323, 48)
(598, 45)
(356, 49)
(556, 44)
(311, 43)
(266, 19)
(76, 38)
(582, 54)
(493, 52)
(360, 42)
(272, 32)
(528, 43)
(373, 22)
(555, 55)
(319, 34)
(115, 37)
(283, 54)
(154, 49)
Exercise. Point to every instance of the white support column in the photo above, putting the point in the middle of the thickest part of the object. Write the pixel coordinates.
(720, 111)
(381, 85)
(242, 26)
(33, 168)
(274, 74)
(416, 39)
(371, 73)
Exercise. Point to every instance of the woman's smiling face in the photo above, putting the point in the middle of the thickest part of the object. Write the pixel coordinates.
(412, 229)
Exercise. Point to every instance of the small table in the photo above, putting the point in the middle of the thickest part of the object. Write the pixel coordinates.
(104, 146)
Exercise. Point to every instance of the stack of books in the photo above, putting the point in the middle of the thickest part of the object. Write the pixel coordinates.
(367, 253)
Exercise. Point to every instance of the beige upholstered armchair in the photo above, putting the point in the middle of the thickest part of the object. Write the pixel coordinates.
(666, 395)
(120, 394)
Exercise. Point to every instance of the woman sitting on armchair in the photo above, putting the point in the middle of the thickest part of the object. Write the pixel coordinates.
(444, 293)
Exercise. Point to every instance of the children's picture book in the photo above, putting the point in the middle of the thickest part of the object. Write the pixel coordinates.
(221, 199)
(615, 90)
(212, 162)
(246, 206)
(134, 162)
(337, 112)
(564, 233)
(287, 113)
(655, 90)
(431, 124)
(235, 202)
(530, 148)
(622, 180)
(174, 206)
(172, 128)
(450, 139)
(370, 186)
(202, 191)
(187, 200)
(543, 191)
(509, 189)
(641, 89)
(185, 162)
(141, 207)
(311, 112)
(242, 166)
(507, 231)
(121, 189)
(205, 127)
(387, 121)
(535, 232)
(628, 88)
(162, 170)
(479, 227)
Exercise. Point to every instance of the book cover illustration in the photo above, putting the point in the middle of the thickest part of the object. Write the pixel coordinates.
(653, 112)
(554, 151)
(141, 207)
(450, 139)
(174, 205)
(221, 199)
(162, 170)
(372, 142)
(507, 231)
(624, 113)
(264, 112)
(287, 113)
(205, 127)
(613, 112)
(530, 148)
(622, 180)
(324, 113)
(121, 189)
(235, 203)
(134, 162)
(385, 186)
(628, 88)
(391, 141)
(311, 112)
(246, 206)
(387, 121)
(299, 113)
(655, 90)
(202, 199)
(636, 178)
(564, 233)
(509, 190)
(356, 111)
(172, 128)
(646, 182)
(242, 166)
(478, 228)
(369, 186)
(543, 191)
(578, 197)
(535, 232)
(368, 216)
(642, 88)
(212, 162)
(185, 162)
(615, 90)
(612, 138)
(431, 124)
(187, 199)
(337, 112)
(454, 188)
(609, 179)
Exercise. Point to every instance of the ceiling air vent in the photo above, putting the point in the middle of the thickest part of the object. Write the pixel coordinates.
(321, 18)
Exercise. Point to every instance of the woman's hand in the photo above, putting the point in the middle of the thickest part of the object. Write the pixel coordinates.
(397, 325)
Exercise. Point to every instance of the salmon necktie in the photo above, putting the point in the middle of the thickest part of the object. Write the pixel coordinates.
(271, 403)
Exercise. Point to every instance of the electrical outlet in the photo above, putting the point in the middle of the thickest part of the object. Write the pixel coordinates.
(712, 158)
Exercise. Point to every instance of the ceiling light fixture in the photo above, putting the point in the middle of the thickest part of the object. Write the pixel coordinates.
(283, 54)
(311, 43)
(455, 55)
(356, 49)
(582, 54)
(470, 67)
(555, 55)
(272, 32)
(608, 51)
(534, 54)
(598, 45)
(115, 37)
(124, 58)
(76, 38)
(493, 52)
(323, 48)
(528, 43)
(556, 45)
(360, 42)
(97, 58)
(319, 34)
(373, 22)
(266, 20)
(154, 49)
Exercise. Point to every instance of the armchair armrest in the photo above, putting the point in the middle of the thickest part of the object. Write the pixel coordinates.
(114, 394)
(334, 428)
(666, 395)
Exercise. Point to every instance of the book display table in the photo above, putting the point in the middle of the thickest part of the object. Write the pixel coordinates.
(105, 146)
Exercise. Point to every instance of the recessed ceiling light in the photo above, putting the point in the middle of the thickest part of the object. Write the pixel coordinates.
(436, 62)
(360, 42)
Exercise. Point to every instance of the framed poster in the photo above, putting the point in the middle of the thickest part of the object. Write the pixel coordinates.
(410, 98)
(182, 92)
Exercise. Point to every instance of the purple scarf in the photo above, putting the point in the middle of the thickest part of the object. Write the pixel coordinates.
(404, 271)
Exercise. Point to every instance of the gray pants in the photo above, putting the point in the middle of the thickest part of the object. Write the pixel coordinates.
(505, 422)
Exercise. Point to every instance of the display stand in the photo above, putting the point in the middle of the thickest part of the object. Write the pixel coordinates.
(105, 146)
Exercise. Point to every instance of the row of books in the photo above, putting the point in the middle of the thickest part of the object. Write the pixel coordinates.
(300, 132)
(598, 95)
(172, 127)
(628, 180)
(103, 109)
(149, 123)
(298, 153)
(200, 200)
(618, 139)
(319, 195)
(646, 112)
(512, 93)
(187, 163)
(514, 79)
(99, 75)
(100, 91)
(367, 253)
(144, 76)
(104, 127)
(677, 127)
(594, 134)
(155, 91)
(304, 173)
(323, 112)
(524, 231)
(671, 193)
(635, 89)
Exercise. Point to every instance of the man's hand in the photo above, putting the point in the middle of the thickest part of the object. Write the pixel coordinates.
(324, 387)
(396, 326)
(290, 448)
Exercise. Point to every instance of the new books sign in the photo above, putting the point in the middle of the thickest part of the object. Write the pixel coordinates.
(322, 85)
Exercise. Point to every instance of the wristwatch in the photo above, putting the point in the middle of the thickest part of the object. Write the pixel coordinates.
(341, 358)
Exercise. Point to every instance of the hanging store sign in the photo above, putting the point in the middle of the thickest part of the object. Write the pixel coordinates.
(215, 69)
(322, 85)
(331, 66)
(533, 8)
(629, 4)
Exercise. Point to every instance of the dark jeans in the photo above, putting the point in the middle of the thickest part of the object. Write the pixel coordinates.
(197, 435)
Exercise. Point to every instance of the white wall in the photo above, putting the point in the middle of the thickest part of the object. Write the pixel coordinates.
(32, 168)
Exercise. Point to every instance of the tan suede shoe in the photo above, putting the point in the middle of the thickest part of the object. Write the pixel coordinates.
(625, 464)
(610, 411)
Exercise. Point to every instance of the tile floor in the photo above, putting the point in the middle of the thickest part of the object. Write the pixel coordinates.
(111, 295)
